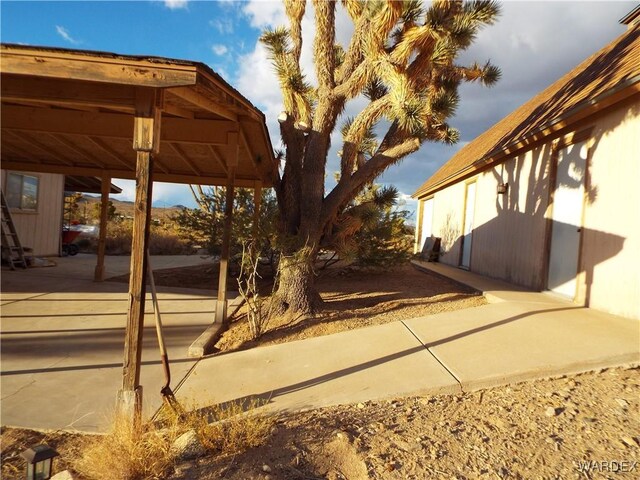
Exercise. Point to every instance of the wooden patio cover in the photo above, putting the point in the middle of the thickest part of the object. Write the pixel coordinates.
(146, 118)
(71, 111)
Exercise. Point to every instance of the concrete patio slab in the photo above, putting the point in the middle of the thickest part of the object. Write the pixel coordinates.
(512, 341)
(62, 351)
(370, 363)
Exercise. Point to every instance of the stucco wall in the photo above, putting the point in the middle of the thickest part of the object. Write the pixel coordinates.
(611, 239)
(41, 230)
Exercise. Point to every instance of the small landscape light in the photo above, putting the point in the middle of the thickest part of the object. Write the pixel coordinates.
(39, 460)
(502, 188)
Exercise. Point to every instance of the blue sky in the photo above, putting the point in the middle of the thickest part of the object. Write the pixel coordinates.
(534, 43)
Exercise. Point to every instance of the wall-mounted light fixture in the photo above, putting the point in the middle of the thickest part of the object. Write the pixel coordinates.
(502, 188)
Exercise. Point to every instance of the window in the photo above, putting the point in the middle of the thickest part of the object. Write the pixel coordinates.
(22, 192)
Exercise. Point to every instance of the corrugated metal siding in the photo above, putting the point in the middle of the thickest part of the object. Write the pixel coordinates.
(611, 239)
(509, 234)
(41, 231)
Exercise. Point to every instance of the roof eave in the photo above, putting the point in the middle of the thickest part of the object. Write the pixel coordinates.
(589, 107)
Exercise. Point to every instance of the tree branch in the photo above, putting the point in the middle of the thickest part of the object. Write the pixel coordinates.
(295, 11)
(348, 186)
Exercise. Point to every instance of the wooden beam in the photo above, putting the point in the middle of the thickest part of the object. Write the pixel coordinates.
(178, 111)
(192, 96)
(63, 92)
(102, 236)
(111, 125)
(96, 67)
(221, 303)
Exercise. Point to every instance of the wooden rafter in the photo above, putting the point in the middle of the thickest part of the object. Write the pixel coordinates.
(67, 92)
(43, 149)
(10, 162)
(247, 147)
(78, 150)
(184, 157)
(103, 146)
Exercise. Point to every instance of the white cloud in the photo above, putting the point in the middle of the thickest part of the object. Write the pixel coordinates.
(176, 4)
(224, 26)
(265, 13)
(64, 33)
(219, 49)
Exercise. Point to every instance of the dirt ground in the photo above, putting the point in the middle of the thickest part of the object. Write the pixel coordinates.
(359, 298)
(581, 426)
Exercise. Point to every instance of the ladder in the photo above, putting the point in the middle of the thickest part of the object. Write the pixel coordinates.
(10, 240)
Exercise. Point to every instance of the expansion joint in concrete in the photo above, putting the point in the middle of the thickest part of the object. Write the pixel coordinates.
(433, 354)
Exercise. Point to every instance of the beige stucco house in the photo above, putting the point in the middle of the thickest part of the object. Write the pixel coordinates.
(548, 197)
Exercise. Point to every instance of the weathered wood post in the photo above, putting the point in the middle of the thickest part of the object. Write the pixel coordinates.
(146, 142)
(232, 163)
(102, 237)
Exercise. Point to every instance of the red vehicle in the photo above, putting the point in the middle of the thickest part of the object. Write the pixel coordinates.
(68, 237)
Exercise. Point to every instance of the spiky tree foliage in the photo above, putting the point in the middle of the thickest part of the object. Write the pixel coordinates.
(402, 58)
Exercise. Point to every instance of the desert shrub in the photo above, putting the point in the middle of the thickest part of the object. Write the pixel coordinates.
(204, 225)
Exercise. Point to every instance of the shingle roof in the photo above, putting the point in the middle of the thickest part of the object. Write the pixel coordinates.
(611, 70)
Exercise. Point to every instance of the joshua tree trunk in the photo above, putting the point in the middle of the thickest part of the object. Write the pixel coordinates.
(296, 284)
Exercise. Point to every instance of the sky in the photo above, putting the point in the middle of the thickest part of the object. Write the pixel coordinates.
(534, 44)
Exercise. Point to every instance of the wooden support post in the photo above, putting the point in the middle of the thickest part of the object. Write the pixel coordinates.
(221, 304)
(232, 163)
(146, 139)
(102, 238)
(257, 203)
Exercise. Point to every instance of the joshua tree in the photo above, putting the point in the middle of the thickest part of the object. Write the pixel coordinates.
(402, 58)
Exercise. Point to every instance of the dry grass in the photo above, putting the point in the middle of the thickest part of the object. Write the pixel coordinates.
(126, 454)
(148, 453)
